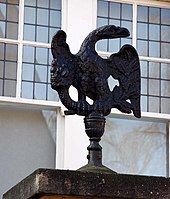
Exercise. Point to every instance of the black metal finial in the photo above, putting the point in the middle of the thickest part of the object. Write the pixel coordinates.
(94, 127)
(89, 73)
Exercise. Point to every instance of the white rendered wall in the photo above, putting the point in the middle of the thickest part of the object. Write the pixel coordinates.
(26, 144)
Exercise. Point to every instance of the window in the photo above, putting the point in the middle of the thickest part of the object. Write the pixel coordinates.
(135, 146)
(26, 30)
(150, 34)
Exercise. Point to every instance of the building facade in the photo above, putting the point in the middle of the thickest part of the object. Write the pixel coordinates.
(34, 131)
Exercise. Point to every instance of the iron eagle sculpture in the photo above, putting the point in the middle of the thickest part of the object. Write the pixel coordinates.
(88, 73)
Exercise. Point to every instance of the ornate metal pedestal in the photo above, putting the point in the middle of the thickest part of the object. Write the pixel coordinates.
(89, 73)
(94, 127)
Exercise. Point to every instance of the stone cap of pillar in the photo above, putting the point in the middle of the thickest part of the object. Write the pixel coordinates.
(49, 183)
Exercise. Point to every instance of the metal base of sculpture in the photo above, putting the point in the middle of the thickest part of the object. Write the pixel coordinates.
(94, 127)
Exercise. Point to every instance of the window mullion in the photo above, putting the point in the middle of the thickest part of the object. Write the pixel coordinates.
(20, 48)
(134, 36)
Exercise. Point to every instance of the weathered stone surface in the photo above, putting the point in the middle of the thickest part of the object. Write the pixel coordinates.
(75, 184)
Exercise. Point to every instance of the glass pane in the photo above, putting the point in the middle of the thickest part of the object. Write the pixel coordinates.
(115, 22)
(2, 46)
(41, 3)
(42, 17)
(40, 91)
(10, 70)
(28, 54)
(165, 50)
(42, 34)
(165, 105)
(126, 11)
(29, 32)
(102, 9)
(12, 13)
(28, 72)
(154, 49)
(2, 29)
(50, 58)
(144, 103)
(13, 1)
(143, 68)
(12, 30)
(142, 47)
(142, 31)
(165, 33)
(135, 147)
(114, 11)
(165, 88)
(154, 32)
(49, 75)
(102, 22)
(55, 18)
(41, 55)
(30, 2)
(165, 71)
(2, 11)
(1, 69)
(40, 73)
(144, 86)
(126, 41)
(11, 52)
(114, 45)
(153, 87)
(9, 88)
(142, 13)
(165, 16)
(154, 70)
(27, 90)
(154, 15)
(30, 15)
(52, 94)
(1, 87)
(154, 103)
(55, 4)
(102, 45)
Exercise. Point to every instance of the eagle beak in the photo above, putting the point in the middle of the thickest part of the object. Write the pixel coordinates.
(122, 32)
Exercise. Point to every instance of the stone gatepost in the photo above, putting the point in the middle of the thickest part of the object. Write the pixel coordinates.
(66, 184)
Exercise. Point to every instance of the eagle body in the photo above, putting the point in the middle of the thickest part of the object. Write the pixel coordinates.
(89, 73)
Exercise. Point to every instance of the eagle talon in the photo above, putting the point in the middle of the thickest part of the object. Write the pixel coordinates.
(82, 105)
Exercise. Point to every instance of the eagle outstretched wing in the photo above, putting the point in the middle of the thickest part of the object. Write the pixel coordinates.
(125, 67)
(89, 73)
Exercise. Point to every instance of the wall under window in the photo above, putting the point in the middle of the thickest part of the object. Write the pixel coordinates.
(27, 142)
